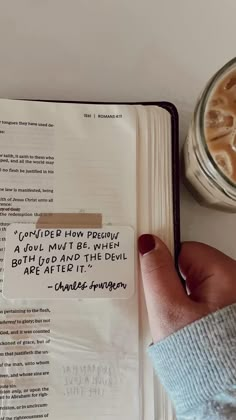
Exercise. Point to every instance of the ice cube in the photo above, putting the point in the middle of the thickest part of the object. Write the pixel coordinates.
(218, 124)
(218, 102)
(233, 142)
(223, 161)
(215, 118)
(230, 83)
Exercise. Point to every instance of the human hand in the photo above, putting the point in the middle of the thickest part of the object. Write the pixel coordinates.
(210, 277)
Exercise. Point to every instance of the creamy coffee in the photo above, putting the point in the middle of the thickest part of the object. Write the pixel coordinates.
(220, 125)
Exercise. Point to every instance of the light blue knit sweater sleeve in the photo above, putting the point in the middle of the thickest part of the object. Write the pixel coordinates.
(197, 366)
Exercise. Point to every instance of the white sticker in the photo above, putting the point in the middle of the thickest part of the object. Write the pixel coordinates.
(68, 263)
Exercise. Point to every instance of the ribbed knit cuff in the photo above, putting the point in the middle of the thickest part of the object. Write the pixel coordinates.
(199, 361)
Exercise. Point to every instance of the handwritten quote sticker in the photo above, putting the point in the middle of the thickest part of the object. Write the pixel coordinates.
(68, 263)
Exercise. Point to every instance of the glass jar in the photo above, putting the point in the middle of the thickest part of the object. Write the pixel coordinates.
(211, 176)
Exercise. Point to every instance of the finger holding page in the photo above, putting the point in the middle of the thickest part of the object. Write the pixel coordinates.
(165, 297)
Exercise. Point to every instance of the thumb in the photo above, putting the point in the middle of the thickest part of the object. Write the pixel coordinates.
(164, 293)
(210, 274)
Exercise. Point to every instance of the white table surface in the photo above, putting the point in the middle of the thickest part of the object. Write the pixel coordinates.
(122, 50)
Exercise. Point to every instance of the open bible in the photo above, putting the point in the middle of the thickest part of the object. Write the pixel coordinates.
(84, 359)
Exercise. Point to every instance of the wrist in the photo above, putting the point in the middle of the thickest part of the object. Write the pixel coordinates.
(198, 361)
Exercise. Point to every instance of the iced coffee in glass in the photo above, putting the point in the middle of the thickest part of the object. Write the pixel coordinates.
(210, 149)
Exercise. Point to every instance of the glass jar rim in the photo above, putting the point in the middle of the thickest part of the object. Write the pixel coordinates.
(200, 114)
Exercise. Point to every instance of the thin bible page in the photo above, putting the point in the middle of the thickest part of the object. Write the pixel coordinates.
(76, 360)
(96, 161)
